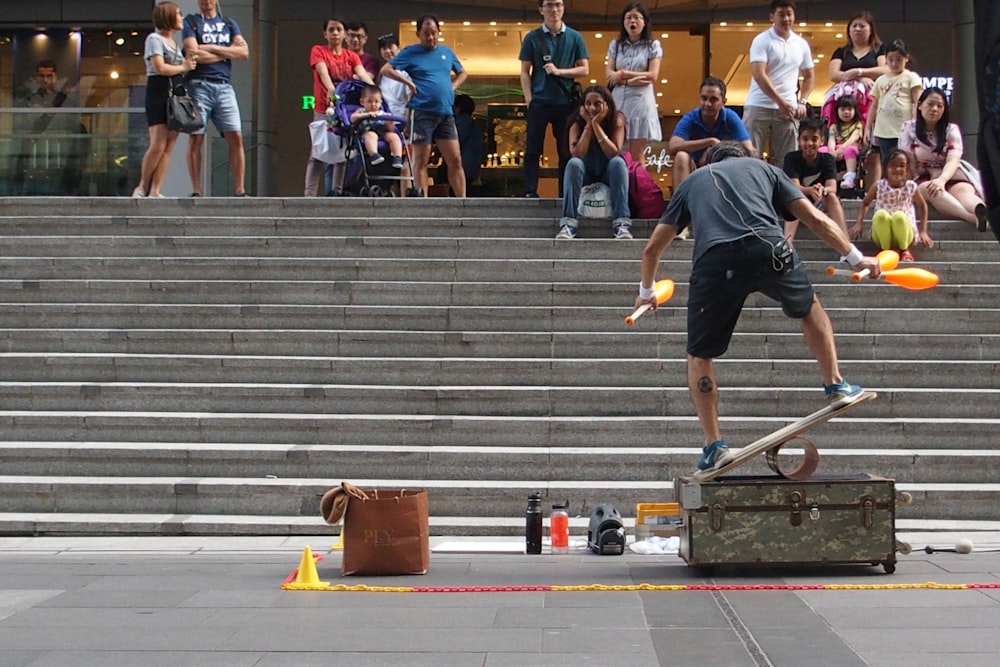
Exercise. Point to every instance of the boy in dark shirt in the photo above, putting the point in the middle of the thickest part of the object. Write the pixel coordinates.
(814, 173)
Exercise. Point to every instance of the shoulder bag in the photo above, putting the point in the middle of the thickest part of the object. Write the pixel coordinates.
(573, 89)
(183, 114)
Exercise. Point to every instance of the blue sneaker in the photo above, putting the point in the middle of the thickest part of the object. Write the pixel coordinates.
(712, 454)
(842, 393)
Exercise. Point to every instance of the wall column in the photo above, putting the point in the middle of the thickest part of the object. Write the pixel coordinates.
(965, 109)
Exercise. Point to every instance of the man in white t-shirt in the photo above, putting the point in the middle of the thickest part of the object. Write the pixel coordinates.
(777, 100)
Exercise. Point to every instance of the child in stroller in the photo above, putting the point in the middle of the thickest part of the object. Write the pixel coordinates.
(374, 124)
(364, 117)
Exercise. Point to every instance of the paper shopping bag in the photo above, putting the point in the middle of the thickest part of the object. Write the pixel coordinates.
(386, 532)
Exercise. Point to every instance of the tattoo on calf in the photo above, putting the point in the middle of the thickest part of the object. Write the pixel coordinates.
(705, 385)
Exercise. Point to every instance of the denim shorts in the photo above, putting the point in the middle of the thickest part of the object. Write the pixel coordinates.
(217, 101)
(724, 277)
(428, 127)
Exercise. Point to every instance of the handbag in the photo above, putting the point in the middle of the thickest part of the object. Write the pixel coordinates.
(326, 144)
(386, 533)
(183, 113)
(573, 90)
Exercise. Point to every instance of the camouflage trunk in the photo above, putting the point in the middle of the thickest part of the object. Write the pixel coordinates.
(769, 520)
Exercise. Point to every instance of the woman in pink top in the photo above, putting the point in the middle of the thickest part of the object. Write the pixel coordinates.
(936, 147)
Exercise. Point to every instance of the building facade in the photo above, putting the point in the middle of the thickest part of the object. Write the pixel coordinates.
(92, 142)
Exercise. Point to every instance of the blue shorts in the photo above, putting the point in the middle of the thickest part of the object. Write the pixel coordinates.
(428, 127)
(724, 277)
(217, 101)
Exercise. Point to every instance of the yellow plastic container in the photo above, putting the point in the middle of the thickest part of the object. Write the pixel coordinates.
(656, 519)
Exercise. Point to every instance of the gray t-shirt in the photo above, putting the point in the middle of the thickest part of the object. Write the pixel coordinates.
(726, 199)
(156, 45)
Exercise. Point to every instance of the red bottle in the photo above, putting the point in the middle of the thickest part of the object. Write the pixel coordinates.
(559, 528)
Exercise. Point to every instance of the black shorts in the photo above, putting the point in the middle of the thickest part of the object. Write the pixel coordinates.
(724, 277)
(156, 100)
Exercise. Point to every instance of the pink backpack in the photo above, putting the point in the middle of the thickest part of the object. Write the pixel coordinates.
(645, 199)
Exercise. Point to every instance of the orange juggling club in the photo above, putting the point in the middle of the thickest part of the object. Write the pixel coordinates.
(910, 278)
(663, 289)
(887, 259)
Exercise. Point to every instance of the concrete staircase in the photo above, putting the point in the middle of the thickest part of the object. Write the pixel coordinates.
(211, 366)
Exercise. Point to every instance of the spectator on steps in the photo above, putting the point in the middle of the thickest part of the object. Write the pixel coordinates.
(815, 174)
(551, 56)
(897, 202)
(776, 101)
(701, 128)
(633, 65)
(430, 65)
(894, 101)
(936, 146)
(164, 61)
(331, 64)
(357, 37)
(217, 42)
(596, 134)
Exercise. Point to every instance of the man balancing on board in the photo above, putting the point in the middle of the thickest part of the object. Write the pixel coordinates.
(735, 207)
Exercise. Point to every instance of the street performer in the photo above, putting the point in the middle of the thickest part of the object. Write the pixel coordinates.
(736, 208)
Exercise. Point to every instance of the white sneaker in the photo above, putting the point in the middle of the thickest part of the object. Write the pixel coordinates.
(138, 193)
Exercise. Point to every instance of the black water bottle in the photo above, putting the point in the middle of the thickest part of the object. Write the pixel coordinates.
(533, 525)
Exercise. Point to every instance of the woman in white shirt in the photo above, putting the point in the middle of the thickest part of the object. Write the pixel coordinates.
(633, 65)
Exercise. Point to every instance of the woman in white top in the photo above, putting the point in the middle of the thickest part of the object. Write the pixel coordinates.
(633, 65)
(164, 60)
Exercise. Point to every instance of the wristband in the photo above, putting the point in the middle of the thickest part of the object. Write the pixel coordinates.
(853, 256)
(646, 292)
(804, 102)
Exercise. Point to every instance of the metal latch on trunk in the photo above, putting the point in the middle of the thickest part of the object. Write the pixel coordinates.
(867, 511)
(795, 499)
(717, 512)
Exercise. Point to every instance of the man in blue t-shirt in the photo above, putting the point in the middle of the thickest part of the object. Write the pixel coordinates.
(430, 66)
(217, 41)
(552, 56)
(701, 128)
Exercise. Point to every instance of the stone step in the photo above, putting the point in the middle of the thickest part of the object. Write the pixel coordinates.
(385, 217)
(444, 430)
(467, 498)
(173, 208)
(449, 226)
(442, 293)
(221, 275)
(389, 343)
(333, 245)
(914, 318)
(99, 526)
(644, 371)
(252, 460)
(498, 401)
